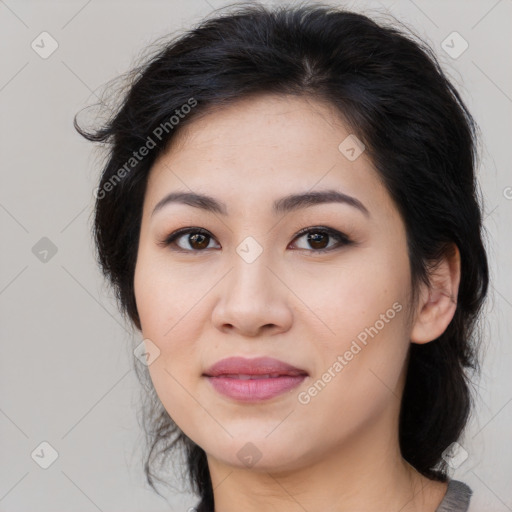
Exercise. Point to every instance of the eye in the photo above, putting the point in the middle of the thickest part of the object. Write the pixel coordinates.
(195, 239)
(198, 239)
(319, 237)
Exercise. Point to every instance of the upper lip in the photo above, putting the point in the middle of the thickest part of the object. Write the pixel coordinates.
(255, 366)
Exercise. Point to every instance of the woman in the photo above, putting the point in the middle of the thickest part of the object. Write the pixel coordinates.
(289, 214)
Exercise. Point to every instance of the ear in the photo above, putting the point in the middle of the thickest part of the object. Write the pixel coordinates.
(438, 302)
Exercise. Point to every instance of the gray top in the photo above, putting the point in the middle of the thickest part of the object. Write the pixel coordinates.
(456, 498)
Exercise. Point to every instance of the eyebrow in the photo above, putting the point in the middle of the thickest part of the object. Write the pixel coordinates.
(283, 205)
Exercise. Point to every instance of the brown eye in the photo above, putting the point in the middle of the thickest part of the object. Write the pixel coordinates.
(189, 239)
(196, 240)
(318, 239)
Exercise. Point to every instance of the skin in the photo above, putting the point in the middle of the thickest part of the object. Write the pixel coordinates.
(340, 451)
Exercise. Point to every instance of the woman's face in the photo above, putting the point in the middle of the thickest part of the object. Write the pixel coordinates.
(248, 285)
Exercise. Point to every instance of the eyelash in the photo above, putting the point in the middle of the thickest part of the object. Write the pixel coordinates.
(341, 239)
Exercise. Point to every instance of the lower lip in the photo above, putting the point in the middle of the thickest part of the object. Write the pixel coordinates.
(254, 390)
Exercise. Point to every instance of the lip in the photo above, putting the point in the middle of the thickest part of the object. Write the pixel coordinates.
(255, 366)
(225, 375)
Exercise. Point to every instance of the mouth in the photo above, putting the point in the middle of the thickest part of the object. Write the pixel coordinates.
(250, 380)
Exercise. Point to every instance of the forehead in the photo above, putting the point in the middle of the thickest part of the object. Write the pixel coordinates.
(280, 123)
(259, 146)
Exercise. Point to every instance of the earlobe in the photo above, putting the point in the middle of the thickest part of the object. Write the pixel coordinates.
(438, 302)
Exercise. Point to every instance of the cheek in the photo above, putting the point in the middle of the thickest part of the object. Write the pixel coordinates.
(363, 338)
(168, 304)
(168, 320)
(345, 299)
(360, 371)
(164, 295)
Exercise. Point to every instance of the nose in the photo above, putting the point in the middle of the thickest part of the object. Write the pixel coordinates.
(253, 300)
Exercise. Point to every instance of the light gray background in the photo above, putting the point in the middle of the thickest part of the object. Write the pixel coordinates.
(66, 374)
